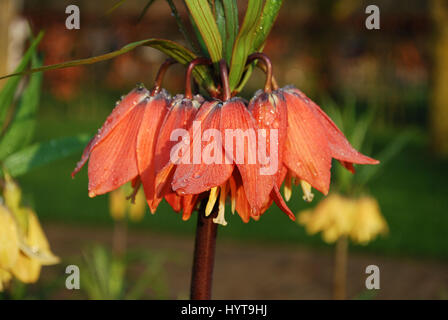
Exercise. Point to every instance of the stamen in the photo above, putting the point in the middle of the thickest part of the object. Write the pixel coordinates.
(232, 185)
(306, 188)
(287, 189)
(220, 219)
(211, 201)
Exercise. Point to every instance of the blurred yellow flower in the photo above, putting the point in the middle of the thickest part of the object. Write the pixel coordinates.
(337, 216)
(24, 249)
(120, 206)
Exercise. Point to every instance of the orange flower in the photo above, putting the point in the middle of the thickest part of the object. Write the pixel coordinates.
(312, 140)
(123, 149)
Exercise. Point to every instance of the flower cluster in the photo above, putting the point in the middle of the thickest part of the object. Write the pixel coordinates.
(336, 216)
(24, 249)
(229, 148)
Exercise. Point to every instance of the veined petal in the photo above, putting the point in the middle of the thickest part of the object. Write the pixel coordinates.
(113, 162)
(126, 105)
(307, 153)
(200, 175)
(155, 110)
(340, 147)
(239, 130)
(180, 116)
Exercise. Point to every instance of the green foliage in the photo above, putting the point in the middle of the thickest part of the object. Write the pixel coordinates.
(9, 89)
(21, 129)
(104, 275)
(206, 24)
(17, 157)
(43, 153)
(357, 129)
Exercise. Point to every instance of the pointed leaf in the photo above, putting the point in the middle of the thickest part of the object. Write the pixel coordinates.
(7, 93)
(244, 42)
(231, 15)
(43, 153)
(21, 128)
(205, 21)
(268, 17)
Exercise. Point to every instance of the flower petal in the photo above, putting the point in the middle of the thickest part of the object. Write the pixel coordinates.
(113, 161)
(122, 109)
(237, 120)
(155, 110)
(340, 148)
(197, 176)
(307, 153)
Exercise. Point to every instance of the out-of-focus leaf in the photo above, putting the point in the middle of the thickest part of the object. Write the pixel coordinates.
(145, 9)
(387, 154)
(181, 25)
(176, 51)
(268, 17)
(115, 6)
(232, 25)
(21, 129)
(7, 93)
(43, 153)
(205, 22)
(244, 42)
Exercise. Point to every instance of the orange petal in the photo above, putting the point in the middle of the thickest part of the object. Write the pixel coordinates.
(174, 201)
(180, 116)
(113, 161)
(306, 153)
(188, 204)
(122, 109)
(155, 110)
(198, 176)
(339, 146)
(278, 199)
(236, 117)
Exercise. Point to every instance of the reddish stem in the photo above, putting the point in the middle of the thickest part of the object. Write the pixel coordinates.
(268, 65)
(226, 94)
(204, 256)
(191, 65)
(161, 74)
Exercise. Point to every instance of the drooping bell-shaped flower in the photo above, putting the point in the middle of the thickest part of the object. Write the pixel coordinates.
(176, 123)
(312, 141)
(123, 149)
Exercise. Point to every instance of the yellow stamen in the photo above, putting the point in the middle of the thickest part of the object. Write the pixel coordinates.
(211, 201)
(287, 189)
(306, 188)
(220, 219)
(232, 186)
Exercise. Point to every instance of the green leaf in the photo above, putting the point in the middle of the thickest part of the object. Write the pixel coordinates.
(181, 54)
(232, 25)
(145, 9)
(205, 22)
(21, 129)
(265, 24)
(115, 6)
(221, 23)
(244, 42)
(43, 153)
(10, 87)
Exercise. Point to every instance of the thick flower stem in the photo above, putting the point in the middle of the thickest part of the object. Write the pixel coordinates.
(340, 269)
(204, 256)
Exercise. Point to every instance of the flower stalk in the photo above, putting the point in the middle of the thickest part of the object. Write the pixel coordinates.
(204, 255)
